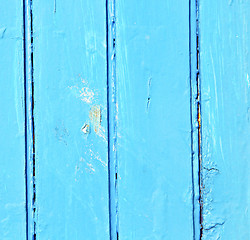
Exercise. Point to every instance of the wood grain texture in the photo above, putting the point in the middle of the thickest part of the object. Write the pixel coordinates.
(12, 122)
(153, 127)
(70, 112)
(224, 68)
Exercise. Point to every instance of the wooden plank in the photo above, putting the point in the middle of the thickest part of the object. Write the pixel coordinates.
(153, 127)
(70, 112)
(12, 122)
(224, 67)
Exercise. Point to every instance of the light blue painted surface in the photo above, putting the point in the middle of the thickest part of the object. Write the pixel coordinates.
(224, 57)
(111, 90)
(154, 145)
(69, 82)
(12, 112)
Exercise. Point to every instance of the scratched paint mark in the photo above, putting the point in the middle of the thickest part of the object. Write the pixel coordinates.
(248, 82)
(84, 92)
(54, 6)
(62, 134)
(59, 34)
(95, 117)
(77, 169)
(90, 167)
(96, 156)
(248, 114)
(101, 133)
(215, 225)
(117, 111)
(83, 165)
(212, 169)
(149, 94)
(2, 32)
(88, 164)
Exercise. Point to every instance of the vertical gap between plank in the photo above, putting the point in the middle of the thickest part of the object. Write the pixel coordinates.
(33, 122)
(29, 120)
(195, 118)
(112, 113)
(198, 83)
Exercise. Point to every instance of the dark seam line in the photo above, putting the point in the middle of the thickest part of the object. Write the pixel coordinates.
(108, 120)
(199, 118)
(191, 119)
(113, 30)
(33, 121)
(29, 101)
(112, 121)
(25, 119)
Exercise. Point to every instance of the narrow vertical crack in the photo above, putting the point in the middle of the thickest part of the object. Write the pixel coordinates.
(198, 98)
(32, 119)
(112, 116)
(29, 120)
(195, 118)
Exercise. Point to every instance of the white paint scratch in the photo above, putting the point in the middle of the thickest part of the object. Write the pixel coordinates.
(97, 157)
(84, 92)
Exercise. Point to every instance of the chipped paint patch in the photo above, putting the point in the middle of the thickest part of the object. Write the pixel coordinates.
(86, 128)
(86, 95)
(95, 117)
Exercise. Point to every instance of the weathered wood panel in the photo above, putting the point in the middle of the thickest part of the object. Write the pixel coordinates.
(225, 95)
(12, 122)
(70, 112)
(153, 127)
(124, 120)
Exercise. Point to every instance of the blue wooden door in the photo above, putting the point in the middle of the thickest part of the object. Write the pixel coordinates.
(124, 120)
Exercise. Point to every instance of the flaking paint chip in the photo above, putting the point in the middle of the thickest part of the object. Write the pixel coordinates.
(86, 128)
(95, 117)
